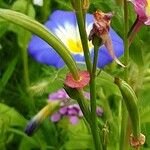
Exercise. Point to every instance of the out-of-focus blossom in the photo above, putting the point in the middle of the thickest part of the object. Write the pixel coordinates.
(84, 79)
(72, 111)
(63, 24)
(142, 8)
(38, 2)
(101, 27)
(40, 116)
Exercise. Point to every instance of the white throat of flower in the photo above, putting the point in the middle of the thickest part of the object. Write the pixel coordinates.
(38, 2)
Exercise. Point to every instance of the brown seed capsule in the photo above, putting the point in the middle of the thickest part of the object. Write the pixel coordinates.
(137, 142)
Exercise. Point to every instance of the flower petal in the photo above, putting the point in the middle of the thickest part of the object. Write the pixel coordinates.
(104, 57)
(84, 78)
(55, 117)
(64, 25)
(74, 120)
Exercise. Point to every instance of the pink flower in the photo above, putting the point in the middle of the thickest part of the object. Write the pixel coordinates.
(82, 82)
(142, 8)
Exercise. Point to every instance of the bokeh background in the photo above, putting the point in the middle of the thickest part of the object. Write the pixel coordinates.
(25, 84)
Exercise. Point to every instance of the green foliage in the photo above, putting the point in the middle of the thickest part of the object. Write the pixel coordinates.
(25, 84)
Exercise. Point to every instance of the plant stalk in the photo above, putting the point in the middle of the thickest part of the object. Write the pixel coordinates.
(80, 20)
(94, 123)
(123, 138)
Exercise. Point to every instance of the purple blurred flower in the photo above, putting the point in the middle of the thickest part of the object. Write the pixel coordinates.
(60, 94)
(56, 117)
(142, 9)
(72, 111)
(63, 24)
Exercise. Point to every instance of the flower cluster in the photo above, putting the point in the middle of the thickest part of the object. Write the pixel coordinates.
(71, 111)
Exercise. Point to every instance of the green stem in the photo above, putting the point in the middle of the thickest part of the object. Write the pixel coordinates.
(83, 35)
(25, 54)
(94, 125)
(123, 144)
(126, 44)
(126, 60)
(83, 106)
(134, 29)
(25, 67)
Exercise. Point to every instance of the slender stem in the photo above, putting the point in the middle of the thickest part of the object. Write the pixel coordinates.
(94, 125)
(25, 67)
(25, 63)
(134, 29)
(83, 106)
(82, 30)
(126, 44)
(126, 60)
(25, 54)
(123, 144)
(81, 19)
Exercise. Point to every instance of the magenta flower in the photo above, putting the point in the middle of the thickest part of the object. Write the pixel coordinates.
(142, 8)
(72, 111)
(78, 84)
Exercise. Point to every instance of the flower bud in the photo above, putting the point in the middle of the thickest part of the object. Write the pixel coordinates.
(85, 5)
(100, 29)
(34, 123)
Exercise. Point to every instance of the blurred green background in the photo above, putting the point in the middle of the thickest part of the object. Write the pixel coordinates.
(22, 94)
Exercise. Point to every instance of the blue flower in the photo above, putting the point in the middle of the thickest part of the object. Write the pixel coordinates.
(63, 24)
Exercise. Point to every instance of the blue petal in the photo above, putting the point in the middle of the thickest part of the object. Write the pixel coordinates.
(45, 54)
(42, 51)
(60, 17)
(89, 19)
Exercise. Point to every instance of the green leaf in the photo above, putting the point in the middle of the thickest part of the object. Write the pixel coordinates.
(82, 140)
(8, 73)
(24, 36)
(136, 53)
(144, 115)
(11, 115)
(106, 81)
(3, 27)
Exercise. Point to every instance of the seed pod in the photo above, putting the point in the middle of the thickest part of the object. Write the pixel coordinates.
(130, 100)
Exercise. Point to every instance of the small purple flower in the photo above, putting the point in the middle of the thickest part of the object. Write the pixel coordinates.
(63, 110)
(60, 94)
(99, 111)
(72, 111)
(56, 117)
(74, 120)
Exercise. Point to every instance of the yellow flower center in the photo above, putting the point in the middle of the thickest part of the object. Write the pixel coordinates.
(148, 8)
(76, 46)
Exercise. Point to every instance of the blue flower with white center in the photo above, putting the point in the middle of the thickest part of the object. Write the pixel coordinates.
(63, 24)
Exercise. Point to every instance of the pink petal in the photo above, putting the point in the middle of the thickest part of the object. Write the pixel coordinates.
(147, 22)
(74, 120)
(109, 46)
(82, 82)
(56, 117)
